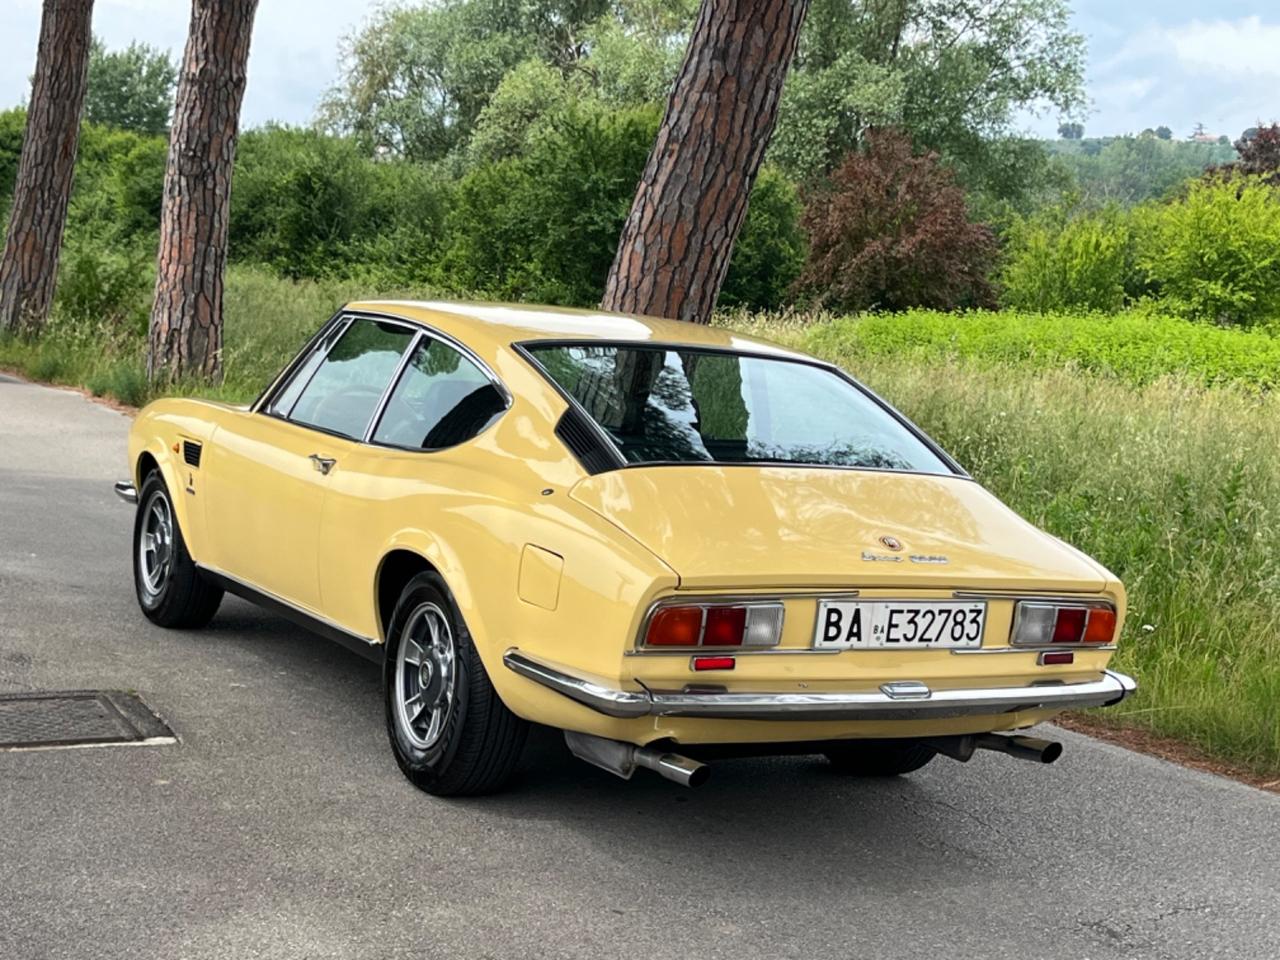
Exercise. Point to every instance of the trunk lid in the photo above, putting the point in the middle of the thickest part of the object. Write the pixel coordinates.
(751, 527)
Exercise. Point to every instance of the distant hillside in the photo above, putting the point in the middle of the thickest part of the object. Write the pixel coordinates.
(1129, 170)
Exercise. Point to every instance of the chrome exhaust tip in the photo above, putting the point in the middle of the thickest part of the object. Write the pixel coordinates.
(1023, 748)
(678, 769)
(621, 759)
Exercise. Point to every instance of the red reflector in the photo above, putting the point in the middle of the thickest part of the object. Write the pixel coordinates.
(1069, 627)
(713, 663)
(675, 627)
(1057, 656)
(725, 626)
(1101, 627)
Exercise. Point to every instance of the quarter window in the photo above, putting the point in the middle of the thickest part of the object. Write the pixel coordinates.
(344, 390)
(442, 399)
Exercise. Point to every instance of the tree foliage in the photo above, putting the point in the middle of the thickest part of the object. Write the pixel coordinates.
(1259, 153)
(1065, 261)
(312, 205)
(1132, 170)
(131, 88)
(1214, 254)
(953, 73)
(416, 79)
(891, 230)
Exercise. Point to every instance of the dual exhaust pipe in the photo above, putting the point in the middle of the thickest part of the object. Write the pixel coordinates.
(622, 759)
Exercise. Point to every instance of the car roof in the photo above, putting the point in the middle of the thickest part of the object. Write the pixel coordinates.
(491, 327)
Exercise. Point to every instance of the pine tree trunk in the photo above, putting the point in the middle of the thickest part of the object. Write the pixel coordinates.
(29, 268)
(186, 317)
(674, 251)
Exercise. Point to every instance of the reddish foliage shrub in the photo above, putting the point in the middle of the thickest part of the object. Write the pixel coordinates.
(890, 230)
(1260, 153)
(1257, 154)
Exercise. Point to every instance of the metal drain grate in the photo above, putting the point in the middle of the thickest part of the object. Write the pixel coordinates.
(77, 717)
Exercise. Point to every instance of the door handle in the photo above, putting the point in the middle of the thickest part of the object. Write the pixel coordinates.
(323, 464)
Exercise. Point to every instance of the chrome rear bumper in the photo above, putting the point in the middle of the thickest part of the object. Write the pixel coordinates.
(892, 701)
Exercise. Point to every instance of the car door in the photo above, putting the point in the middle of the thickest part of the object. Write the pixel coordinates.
(269, 471)
(442, 399)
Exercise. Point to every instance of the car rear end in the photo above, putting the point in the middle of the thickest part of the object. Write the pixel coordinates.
(839, 577)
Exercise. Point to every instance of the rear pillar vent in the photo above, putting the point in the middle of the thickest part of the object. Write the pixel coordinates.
(584, 443)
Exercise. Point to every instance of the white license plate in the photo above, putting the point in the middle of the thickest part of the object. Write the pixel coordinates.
(898, 624)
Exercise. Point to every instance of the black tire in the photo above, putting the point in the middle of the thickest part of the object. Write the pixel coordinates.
(183, 598)
(878, 758)
(478, 741)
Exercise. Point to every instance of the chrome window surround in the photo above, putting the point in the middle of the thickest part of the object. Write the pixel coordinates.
(343, 319)
(705, 602)
(1074, 603)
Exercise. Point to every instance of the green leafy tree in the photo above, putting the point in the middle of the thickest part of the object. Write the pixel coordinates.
(1071, 131)
(543, 225)
(770, 250)
(1060, 260)
(1131, 170)
(415, 79)
(953, 73)
(1164, 133)
(1214, 254)
(312, 205)
(131, 88)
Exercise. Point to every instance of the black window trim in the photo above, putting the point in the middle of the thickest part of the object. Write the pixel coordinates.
(344, 318)
(526, 349)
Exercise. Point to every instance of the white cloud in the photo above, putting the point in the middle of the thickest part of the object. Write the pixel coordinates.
(1241, 48)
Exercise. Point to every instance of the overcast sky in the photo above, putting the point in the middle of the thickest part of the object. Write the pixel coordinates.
(1151, 62)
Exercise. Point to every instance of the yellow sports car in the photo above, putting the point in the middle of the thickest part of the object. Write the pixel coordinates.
(669, 541)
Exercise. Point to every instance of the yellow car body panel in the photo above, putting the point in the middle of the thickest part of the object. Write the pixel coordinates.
(541, 556)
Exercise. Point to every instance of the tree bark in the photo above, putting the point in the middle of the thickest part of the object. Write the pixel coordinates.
(186, 316)
(674, 251)
(29, 268)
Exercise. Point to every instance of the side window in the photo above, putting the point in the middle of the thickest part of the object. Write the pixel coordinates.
(287, 397)
(442, 399)
(344, 391)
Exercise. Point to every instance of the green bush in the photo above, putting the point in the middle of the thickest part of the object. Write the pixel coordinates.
(543, 225)
(1138, 346)
(1056, 261)
(1214, 254)
(312, 205)
(13, 125)
(770, 251)
(109, 285)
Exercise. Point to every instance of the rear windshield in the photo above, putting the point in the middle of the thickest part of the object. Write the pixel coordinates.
(681, 405)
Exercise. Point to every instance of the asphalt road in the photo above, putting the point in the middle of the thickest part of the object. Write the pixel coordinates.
(279, 825)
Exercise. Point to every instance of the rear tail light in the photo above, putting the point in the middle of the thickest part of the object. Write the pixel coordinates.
(717, 625)
(675, 627)
(1041, 624)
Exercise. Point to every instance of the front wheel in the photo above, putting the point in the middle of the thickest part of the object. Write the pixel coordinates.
(878, 758)
(450, 732)
(171, 591)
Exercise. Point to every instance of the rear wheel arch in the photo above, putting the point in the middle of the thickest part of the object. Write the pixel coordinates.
(395, 571)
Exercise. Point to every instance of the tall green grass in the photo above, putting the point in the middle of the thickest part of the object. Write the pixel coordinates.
(1138, 346)
(1175, 488)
